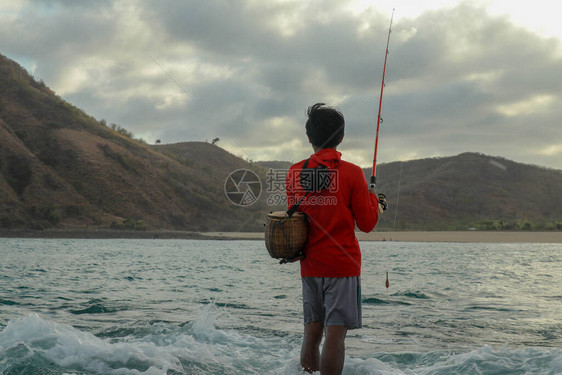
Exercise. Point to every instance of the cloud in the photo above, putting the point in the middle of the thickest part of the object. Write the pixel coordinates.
(458, 78)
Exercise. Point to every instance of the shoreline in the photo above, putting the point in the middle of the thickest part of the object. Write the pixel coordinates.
(433, 236)
(397, 236)
(100, 233)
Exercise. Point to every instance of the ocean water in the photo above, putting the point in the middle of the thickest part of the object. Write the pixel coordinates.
(225, 307)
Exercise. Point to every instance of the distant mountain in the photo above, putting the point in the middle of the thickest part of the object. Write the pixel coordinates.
(470, 190)
(61, 168)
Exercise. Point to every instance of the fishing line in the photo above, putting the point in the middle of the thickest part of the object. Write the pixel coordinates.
(387, 283)
(372, 184)
(397, 195)
(203, 109)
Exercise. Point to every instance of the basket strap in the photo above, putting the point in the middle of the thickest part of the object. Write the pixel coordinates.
(296, 206)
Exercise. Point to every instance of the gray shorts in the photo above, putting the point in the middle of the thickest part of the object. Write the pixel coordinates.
(332, 301)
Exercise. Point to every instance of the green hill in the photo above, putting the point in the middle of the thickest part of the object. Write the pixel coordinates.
(60, 167)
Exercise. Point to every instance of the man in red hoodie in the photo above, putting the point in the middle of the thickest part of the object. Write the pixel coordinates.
(331, 267)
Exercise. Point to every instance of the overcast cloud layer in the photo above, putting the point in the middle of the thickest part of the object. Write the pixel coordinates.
(458, 78)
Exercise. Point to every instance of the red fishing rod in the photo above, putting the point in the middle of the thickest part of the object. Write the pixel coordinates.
(373, 183)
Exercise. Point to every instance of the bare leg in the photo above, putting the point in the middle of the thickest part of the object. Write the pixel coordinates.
(333, 352)
(310, 351)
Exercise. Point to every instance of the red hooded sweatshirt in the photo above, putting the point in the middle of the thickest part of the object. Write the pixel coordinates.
(332, 250)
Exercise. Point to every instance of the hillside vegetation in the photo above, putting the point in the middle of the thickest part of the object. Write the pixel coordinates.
(470, 190)
(61, 168)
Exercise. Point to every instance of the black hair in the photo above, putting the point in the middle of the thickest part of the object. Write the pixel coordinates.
(325, 126)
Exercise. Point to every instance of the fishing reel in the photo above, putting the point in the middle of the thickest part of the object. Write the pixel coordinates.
(382, 198)
(382, 203)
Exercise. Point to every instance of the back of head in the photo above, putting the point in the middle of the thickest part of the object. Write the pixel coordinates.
(325, 126)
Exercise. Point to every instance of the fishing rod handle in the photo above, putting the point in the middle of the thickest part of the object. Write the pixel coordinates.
(373, 182)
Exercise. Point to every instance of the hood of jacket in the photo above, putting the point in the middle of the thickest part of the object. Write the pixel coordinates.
(327, 156)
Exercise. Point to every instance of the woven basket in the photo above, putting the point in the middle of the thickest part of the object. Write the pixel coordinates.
(285, 237)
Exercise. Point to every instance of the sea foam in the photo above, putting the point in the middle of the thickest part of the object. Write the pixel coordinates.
(199, 347)
(68, 347)
(162, 348)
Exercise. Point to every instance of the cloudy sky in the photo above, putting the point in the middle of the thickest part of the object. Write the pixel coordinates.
(482, 76)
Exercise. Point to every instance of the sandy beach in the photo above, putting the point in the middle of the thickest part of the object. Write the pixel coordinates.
(437, 236)
(406, 236)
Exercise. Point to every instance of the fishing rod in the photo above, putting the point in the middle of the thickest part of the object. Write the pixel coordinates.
(373, 183)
